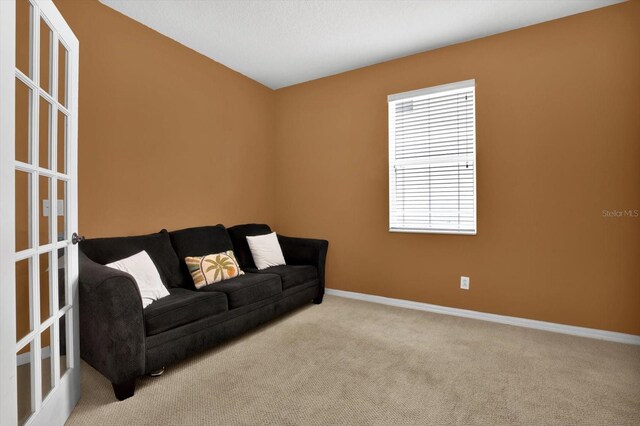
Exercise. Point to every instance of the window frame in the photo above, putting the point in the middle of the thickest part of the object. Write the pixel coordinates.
(391, 100)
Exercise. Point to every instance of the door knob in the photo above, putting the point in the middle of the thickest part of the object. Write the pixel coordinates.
(75, 238)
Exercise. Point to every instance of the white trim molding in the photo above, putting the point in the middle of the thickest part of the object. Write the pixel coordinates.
(592, 333)
(27, 357)
(431, 90)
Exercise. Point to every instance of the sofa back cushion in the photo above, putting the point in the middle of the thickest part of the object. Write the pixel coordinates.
(239, 234)
(158, 247)
(196, 242)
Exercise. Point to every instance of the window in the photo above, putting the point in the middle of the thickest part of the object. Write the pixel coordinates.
(432, 160)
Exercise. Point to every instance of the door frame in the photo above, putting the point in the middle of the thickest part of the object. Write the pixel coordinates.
(57, 406)
(8, 395)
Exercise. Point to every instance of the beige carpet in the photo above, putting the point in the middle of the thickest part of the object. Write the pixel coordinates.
(350, 362)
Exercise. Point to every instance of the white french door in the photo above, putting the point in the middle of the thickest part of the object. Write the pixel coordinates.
(39, 349)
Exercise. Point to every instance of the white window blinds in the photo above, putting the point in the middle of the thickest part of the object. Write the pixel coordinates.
(432, 160)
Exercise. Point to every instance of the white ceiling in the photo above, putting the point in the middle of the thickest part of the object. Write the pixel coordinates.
(284, 42)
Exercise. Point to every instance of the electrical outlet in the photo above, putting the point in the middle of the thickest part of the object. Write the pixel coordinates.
(464, 283)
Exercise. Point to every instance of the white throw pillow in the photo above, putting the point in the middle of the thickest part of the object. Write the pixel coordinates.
(141, 268)
(266, 250)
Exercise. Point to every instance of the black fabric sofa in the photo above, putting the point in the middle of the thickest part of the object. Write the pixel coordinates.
(123, 341)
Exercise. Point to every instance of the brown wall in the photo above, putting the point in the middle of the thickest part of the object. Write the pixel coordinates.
(558, 141)
(167, 137)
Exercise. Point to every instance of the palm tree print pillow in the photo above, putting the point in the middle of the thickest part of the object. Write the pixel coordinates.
(213, 268)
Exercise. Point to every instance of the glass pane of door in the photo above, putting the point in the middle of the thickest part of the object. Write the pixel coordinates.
(46, 67)
(45, 210)
(23, 122)
(46, 287)
(24, 376)
(24, 237)
(46, 364)
(63, 345)
(62, 142)
(44, 134)
(24, 320)
(24, 28)
(63, 56)
(62, 207)
(62, 278)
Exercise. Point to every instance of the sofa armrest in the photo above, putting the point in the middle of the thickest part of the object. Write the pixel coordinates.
(112, 331)
(305, 251)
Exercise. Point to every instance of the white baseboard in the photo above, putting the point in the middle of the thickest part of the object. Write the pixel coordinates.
(593, 333)
(25, 358)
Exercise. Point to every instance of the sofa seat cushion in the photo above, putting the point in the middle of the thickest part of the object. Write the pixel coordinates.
(181, 307)
(291, 275)
(246, 289)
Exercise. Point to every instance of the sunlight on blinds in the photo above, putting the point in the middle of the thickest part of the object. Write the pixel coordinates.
(432, 173)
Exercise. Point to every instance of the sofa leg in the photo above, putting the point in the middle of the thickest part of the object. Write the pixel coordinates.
(318, 299)
(157, 373)
(124, 390)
